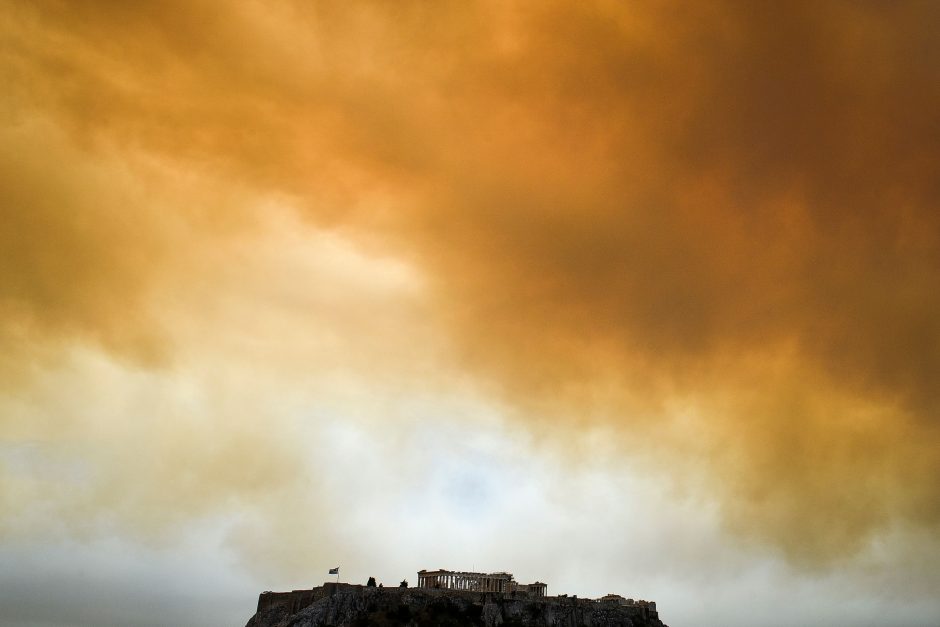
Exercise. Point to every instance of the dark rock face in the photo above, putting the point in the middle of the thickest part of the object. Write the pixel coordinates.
(343, 605)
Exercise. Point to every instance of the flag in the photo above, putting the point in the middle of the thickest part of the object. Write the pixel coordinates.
(334, 571)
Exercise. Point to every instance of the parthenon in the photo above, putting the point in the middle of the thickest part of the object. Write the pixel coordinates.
(478, 582)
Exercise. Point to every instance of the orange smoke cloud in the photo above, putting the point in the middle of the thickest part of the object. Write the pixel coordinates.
(713, 224)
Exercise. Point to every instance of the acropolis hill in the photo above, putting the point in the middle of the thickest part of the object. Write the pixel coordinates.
(452, 598)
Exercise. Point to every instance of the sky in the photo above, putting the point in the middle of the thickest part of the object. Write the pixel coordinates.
(624, 297)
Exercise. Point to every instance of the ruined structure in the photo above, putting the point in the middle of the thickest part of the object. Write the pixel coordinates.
(479, 582)
(619, 600)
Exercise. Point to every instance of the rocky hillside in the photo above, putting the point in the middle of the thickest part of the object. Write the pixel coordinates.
(343, 605)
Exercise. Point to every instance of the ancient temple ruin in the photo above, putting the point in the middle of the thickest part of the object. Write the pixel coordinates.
(479, 582)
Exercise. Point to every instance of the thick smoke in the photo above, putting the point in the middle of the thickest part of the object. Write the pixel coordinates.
(712, 226)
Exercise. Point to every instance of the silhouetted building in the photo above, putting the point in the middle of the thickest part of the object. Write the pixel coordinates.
(478, 582)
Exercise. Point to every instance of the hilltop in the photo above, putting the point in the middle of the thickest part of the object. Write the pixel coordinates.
(346, 605)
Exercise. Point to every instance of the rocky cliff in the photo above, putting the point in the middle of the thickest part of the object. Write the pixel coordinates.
(344, 605)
